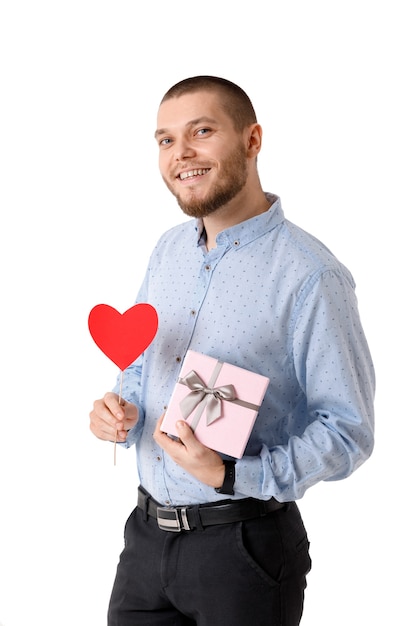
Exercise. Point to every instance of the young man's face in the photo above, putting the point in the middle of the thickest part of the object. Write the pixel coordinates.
(202, 158)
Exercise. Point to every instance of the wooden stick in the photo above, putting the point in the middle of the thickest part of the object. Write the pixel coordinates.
(120, 402)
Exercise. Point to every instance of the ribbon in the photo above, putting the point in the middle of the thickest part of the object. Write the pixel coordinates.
(203, 396)
(199, 392)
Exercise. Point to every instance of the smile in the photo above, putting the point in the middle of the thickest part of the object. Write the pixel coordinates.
(191, 173)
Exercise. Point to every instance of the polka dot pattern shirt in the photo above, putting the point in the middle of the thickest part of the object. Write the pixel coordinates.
(273, 299)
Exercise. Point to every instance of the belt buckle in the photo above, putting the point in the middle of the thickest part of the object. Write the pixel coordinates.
(168, 518)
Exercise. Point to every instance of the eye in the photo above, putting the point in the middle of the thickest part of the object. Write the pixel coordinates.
(166, 141)
(203, 131)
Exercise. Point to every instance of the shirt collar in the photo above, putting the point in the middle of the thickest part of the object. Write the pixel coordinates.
(250, 229)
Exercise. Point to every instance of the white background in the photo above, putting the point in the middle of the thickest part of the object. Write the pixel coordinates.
(82, 205)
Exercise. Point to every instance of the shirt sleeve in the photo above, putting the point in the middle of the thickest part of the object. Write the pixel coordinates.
(335, 374)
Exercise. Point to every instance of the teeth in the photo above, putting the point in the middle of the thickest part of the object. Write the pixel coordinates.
(190, 173)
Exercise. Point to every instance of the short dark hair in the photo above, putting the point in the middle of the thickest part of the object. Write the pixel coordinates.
(234, 101)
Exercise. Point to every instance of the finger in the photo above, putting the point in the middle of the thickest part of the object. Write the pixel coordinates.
(114, 405)
(103, 423)
(102, 429)
(187, 437)
(166, 442)
(101, 414)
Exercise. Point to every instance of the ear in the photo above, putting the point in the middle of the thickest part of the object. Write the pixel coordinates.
(254, 140)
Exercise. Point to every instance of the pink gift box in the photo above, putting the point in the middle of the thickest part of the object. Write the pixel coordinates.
(218, 400)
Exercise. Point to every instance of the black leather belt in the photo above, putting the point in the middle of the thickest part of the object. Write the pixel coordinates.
(175, 519)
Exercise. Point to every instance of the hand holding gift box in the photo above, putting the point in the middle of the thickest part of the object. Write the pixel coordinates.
(220, 402)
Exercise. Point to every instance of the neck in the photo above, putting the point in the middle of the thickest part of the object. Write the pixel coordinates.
(238, 210)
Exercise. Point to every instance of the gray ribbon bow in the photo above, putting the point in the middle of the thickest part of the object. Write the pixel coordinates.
(199, 392)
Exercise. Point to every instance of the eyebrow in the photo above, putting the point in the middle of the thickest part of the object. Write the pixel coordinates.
(198, 120)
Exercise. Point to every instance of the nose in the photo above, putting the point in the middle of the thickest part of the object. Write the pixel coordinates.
(184, 149)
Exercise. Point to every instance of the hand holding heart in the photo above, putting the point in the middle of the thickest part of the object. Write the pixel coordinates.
(108, 417)
(122, 337)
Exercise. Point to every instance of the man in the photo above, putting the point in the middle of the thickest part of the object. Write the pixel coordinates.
(242, 284)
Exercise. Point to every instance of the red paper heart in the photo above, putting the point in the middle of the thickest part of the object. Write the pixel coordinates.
(123, 336)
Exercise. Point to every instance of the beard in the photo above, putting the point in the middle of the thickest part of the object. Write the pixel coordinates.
(231, 181)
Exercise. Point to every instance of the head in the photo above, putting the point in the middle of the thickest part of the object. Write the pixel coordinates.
(209, 139)
(232, 99)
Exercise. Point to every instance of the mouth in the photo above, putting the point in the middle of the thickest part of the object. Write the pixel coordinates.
(193, 173)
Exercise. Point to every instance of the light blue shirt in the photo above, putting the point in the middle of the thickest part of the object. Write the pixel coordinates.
(273, 299)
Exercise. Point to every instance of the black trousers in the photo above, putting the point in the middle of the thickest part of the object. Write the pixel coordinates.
(239, 574)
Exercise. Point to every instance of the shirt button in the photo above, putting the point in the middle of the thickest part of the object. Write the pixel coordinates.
(158, 458)
(208, 267)
(178, 359)
(193, 312)
(236, 242)
(167, 502)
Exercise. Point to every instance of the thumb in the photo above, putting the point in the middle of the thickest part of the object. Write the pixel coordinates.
(185, 432)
